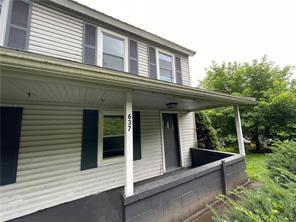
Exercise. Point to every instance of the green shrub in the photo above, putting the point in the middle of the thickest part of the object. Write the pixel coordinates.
(282, 161)
(206, 134)
(270, 203)
(275, 200)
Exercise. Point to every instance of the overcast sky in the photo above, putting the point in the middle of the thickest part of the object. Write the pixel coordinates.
(218, 30)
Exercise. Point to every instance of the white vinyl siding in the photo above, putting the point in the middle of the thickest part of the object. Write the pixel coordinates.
(55, 34)
(185, 71)
(143, 59)
(49, 161)
(188, 136)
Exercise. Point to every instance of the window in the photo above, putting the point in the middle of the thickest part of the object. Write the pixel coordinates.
(89, 45)
(113, 52)
(113, 136)
(165, 67)
(19, 24)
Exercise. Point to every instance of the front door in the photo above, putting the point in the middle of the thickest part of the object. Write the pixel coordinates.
(171, 141)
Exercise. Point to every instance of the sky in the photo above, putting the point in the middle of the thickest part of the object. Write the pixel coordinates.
(218, 30)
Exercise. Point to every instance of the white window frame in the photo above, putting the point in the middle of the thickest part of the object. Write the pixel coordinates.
(173, 64)
(100, 35)
(4, 20)
(110, 160)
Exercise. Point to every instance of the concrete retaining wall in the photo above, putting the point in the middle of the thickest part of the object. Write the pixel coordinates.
(190, 193)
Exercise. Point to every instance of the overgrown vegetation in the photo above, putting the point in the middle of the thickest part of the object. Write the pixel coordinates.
(275, 200)
(282, 163)
(275, 115)
(206, 134)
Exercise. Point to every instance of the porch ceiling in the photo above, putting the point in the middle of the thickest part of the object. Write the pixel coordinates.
(23, 91)
(31, 78)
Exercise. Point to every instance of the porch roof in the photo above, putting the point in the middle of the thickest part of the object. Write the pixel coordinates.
(23, 72)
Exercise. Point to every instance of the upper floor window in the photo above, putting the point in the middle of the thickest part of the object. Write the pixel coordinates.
(18, 26)
(113, 52)
(165, 67)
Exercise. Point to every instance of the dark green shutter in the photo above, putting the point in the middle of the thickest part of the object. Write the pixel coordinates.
(133, 57)
(11, 121)
(19, 24)
(152, 63)
(89, 146)
(137, 135)
(90, 44)
(178, 70)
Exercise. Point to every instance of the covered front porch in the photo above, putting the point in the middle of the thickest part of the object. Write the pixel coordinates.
(54, 95)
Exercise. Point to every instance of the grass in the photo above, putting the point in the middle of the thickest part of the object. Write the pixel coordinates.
(256, 166)
(256, 163)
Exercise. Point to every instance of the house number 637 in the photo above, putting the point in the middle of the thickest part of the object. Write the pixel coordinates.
(129, 122)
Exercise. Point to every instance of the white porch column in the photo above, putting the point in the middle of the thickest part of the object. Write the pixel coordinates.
(128, 146)
(239, 131)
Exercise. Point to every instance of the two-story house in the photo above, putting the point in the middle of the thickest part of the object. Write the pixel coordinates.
(97, 120)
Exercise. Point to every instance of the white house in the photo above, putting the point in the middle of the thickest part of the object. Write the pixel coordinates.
(97, 120)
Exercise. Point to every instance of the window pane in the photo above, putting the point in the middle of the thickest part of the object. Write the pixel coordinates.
(17, 38)
(165, 65)
(113, 46)
(90, 35)
(20, 13)
(165, 75)
(113, 62)
(165, 57)
(113, 141)
(89, 55)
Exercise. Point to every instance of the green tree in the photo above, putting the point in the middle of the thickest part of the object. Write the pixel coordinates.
(206, 134)
(275, 115)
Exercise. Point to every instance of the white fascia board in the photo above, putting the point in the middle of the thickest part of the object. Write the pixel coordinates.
(86, 11)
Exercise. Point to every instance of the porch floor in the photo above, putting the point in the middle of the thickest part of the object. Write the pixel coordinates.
(161, 180)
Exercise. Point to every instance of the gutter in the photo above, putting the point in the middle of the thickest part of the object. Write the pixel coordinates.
(38, 66)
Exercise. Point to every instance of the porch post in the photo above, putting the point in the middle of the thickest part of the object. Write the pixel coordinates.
(128, 146)
(239, 131)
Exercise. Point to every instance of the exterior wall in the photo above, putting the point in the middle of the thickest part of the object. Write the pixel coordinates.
(188, 136)
(55, 34)
(49, 161)
(59, 35)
